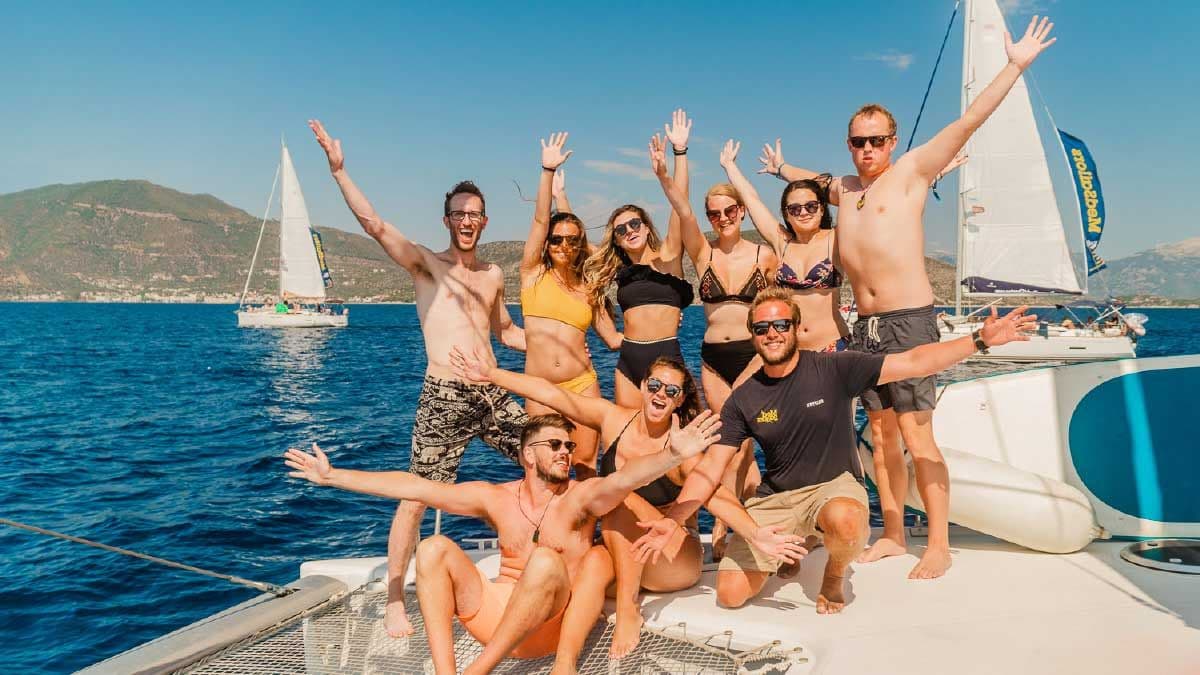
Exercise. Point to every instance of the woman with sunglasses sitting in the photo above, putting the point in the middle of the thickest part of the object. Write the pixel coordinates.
(648, 271)
(556, 306)
(667, 396)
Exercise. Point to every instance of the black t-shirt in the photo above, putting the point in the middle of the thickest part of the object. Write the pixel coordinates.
(803, 421)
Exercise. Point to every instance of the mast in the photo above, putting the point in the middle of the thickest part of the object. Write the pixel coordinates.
(261, 229)
(960, 217)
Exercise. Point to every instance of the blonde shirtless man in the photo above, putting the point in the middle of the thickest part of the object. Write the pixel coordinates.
(552, 579)
(880, 247)
(464, 297)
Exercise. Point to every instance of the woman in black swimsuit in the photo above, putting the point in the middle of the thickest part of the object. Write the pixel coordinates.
(651, 289)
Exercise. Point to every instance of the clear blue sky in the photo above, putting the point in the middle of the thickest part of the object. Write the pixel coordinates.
(194, 96)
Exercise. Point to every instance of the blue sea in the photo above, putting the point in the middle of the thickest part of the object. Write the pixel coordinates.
(160, 428)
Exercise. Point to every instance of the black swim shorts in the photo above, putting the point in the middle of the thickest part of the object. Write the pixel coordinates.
(891, 333)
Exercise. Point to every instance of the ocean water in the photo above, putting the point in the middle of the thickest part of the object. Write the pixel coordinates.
(160, 428)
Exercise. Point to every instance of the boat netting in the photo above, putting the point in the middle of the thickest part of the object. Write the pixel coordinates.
(346, 635)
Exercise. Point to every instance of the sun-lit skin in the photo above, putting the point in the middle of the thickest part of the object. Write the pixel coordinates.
(648, 322)
(821, 320)
(464, 235)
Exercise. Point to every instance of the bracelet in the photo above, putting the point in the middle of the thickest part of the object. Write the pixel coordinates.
(546, 168)
(677, 151)
(977, 338)
(779, 174)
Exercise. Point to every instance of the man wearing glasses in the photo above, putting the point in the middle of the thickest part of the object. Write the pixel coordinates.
(550, 589)
(880, 248)
(464, 296)
(798, 407)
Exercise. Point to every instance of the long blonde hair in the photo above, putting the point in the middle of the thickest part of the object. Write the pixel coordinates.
(602, 266)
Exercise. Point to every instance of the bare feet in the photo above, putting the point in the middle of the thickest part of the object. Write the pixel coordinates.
(882, 548)
(832, 598)
(933, 564)
(719, 540)
(395, 620)
(626, 633)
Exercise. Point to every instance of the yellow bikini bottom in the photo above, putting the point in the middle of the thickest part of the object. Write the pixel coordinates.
(581, 382)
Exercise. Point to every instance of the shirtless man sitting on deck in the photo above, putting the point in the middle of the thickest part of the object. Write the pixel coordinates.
(552, 579)
(466, 297)
(881, 249)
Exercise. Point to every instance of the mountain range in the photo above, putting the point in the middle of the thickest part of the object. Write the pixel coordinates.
(134, 240)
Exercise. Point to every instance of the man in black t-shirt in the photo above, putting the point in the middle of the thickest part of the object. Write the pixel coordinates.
(799, 409)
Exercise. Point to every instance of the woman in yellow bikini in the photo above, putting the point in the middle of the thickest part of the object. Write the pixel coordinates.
(555, 304)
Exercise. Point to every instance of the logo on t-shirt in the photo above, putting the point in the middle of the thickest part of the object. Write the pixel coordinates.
(813, 404)
(767, 416)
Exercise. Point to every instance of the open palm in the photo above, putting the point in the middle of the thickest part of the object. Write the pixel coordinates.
(314, 468)
(679, 129)
(1021, 54)
(772, 158)
(552, 152)
(730, 152)
(1012, 327)
(331, 146)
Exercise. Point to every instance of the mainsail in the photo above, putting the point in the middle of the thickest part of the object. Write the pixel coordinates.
(1011, 234)
(299, 269)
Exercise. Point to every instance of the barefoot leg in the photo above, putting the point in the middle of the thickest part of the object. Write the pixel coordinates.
(933, 482)
(592, 577)
(891, 479)
(618, 529)
(402, 540)
(447, 584)
(844, 522)
(736, 587)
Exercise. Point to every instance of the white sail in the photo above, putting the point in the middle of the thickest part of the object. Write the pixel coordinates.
(299, 270)
(1011, 234)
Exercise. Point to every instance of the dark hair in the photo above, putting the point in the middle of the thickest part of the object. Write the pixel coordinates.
(465, 187)
(581, 253)
(818, 185)
(689, 407)
(772, 294)
(539, 422)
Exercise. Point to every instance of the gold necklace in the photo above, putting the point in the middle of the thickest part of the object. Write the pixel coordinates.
(863, 199)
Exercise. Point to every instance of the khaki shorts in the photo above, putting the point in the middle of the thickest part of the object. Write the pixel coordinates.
(797, 511)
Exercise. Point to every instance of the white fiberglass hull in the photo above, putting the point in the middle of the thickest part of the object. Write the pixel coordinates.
(1057, 345)
(291, 320)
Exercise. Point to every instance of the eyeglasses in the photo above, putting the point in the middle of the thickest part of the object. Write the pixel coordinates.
(797, 210)
(653, 384)
(555, 444)
(781, 326)
(875, 141)
(571, 240)
(631, 225)
(730, 213)
(459, 216)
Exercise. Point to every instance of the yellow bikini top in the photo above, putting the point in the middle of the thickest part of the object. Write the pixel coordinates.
(549, 300)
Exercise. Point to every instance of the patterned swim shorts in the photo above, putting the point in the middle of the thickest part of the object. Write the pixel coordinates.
(450, 413)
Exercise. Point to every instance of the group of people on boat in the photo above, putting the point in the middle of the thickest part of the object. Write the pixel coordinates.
(780, 368)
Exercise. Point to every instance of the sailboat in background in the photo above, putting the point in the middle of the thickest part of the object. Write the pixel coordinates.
(1011, 235)
(303, 276)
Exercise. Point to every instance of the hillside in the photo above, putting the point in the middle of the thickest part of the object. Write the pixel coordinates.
(1168, 270)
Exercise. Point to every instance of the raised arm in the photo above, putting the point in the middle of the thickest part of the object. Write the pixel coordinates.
(397, 246)
(606, 327)
(764, 221)
(678, 132)
(503, 327)
(686, 218)
(552, 158)
(933, 358)
(587, 410)
(773, 164)
(464, 499)
(929, 158)
(559, 192)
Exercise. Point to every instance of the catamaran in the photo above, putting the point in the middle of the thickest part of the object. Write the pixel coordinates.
(1011, 236)
(303, 275)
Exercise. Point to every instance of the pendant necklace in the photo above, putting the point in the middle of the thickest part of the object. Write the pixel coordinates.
(537, 527)
(863, 199)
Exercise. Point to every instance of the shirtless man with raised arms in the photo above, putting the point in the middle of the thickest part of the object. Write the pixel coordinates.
(465, 297)
(552, 578)
(880, 247)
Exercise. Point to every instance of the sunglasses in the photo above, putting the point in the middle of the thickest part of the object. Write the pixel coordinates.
(631, 225)
(555, 444)
(875, 141)
(781, 326)
(560, 239)
(797, 210)
(730, 213)
(459, 216)
(653, 384)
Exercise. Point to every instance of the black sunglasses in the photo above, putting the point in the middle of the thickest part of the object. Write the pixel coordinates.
(631, 225)
(781, 326)
(560, 239)
(653, 384)
(730, 212)
(797, 210)
(555, 444)
(875, 141)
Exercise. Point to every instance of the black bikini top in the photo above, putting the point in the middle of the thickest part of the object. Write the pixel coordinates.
(822, 275)
(660, 492)
(713, 291)
(639, 285)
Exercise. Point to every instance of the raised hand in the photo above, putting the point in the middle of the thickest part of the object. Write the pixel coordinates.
(695, 437)
(772, 158)
(729, 153)
(314, 468)
(470, 368)
(664, 537)
(658, 156)
(771, 542)
(552, 152)
(331, 146)
(679, 129)
(959, 160)
(1022, 54)
(1012, 327)
(559, 187)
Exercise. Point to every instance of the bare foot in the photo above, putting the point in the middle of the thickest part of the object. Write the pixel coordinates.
(395, 620)
(626, 633)
(933, 564)
(832, 596)
(882, 548)
(719, 540)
